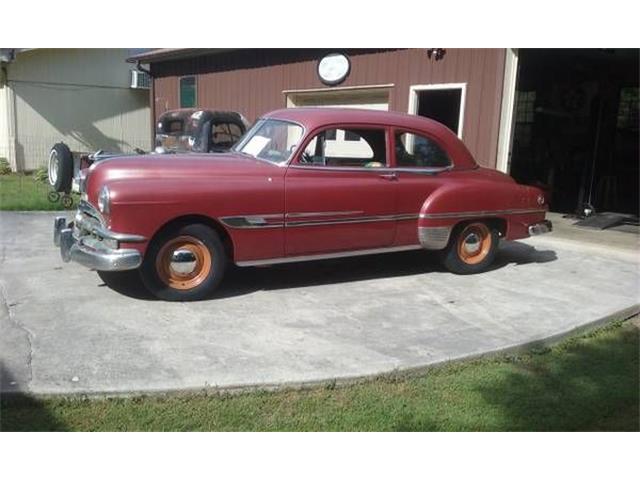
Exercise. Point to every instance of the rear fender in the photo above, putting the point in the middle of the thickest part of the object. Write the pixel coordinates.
(453, 204)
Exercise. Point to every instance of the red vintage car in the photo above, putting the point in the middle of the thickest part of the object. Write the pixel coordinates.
(301, 184)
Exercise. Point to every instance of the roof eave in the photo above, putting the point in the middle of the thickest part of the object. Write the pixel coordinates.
(167, 54)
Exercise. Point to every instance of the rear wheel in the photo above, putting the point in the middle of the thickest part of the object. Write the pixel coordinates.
(185, 263)
(472, 248)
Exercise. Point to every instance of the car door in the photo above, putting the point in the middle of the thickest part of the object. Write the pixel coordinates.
(340, 193)
(421, 164)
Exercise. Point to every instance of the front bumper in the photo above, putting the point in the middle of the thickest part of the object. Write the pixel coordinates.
(540, 228)
(88, 243)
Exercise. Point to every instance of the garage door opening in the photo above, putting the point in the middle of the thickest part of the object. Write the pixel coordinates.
(443, 103)
(576, 128)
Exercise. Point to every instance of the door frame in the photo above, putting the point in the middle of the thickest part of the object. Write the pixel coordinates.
(507, 110)
(290, 95)
(414, 90)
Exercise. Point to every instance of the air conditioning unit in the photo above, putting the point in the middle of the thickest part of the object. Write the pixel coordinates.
(140, 79)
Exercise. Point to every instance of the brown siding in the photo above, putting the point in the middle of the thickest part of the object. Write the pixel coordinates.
(252, 82)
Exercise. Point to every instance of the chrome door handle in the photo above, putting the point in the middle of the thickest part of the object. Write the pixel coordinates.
(389, 176)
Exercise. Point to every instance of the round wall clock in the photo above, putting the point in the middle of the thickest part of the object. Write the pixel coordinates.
(334, 68)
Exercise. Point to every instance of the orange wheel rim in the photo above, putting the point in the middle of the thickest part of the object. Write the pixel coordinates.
(474, 243)
(183, 263)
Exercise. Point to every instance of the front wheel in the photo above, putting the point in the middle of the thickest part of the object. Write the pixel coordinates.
(184, 264)
(472, 248)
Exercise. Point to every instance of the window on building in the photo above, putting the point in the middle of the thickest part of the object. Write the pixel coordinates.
(525, 116)
(526, 107)
(187, 92)
(628, 109)
(417, 151)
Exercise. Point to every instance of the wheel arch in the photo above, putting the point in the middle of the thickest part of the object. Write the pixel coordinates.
(188, 219)
(497, 223)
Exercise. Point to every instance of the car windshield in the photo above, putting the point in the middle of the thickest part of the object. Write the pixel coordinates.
(271, 140)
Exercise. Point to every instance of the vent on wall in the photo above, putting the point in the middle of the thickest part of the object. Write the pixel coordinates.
(140, 79)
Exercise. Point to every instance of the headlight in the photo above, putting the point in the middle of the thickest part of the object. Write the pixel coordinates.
(104, 200)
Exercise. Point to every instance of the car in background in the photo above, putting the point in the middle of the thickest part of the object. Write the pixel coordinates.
(177, 131)
(302, 184)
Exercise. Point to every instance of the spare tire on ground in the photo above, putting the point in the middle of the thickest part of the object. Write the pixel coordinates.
(60, 168)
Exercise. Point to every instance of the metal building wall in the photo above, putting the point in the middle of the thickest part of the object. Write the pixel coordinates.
(81, 97)
(4, 122)
(252, 82)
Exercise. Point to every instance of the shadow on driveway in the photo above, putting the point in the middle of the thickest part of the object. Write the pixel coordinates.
(20, 412)
(241, 281)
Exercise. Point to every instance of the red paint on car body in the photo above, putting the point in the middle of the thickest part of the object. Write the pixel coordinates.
(150, 191)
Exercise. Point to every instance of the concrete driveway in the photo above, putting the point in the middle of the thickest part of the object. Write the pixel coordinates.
(64, 331)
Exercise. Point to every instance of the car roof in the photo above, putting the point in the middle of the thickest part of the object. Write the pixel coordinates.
(314, 117)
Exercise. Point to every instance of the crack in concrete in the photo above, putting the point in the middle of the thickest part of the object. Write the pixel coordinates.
(9, 309)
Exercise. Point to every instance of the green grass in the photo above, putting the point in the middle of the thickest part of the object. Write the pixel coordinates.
(586, 383)
(23, 192)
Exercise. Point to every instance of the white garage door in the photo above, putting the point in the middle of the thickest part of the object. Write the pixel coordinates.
(374, 99)
(341, 143)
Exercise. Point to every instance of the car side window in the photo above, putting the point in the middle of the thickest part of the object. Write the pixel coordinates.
(416, 151)
(347, 147)
(224, 135)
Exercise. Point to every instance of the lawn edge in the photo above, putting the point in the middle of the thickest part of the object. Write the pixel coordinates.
(527, 347)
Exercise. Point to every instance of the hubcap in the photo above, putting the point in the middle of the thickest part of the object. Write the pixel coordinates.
(53, 167)
(184, 263)
(474, 243)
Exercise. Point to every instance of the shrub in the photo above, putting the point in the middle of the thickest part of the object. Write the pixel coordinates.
(5, 168)
(41, 175)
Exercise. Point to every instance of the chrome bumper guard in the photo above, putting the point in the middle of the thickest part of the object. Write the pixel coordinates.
(85, 244)
(540, 228)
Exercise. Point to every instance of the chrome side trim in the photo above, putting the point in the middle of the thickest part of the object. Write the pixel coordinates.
(407, 216)
(423, 170)
(418, 170)
(434, 238)
(255, 221)
(326, 256)
(323, 214)
(338, 221)
(262, 221)
(376, 170)
(482, 213)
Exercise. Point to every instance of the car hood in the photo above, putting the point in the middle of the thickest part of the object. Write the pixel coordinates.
(180, 166)
(148, 175)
